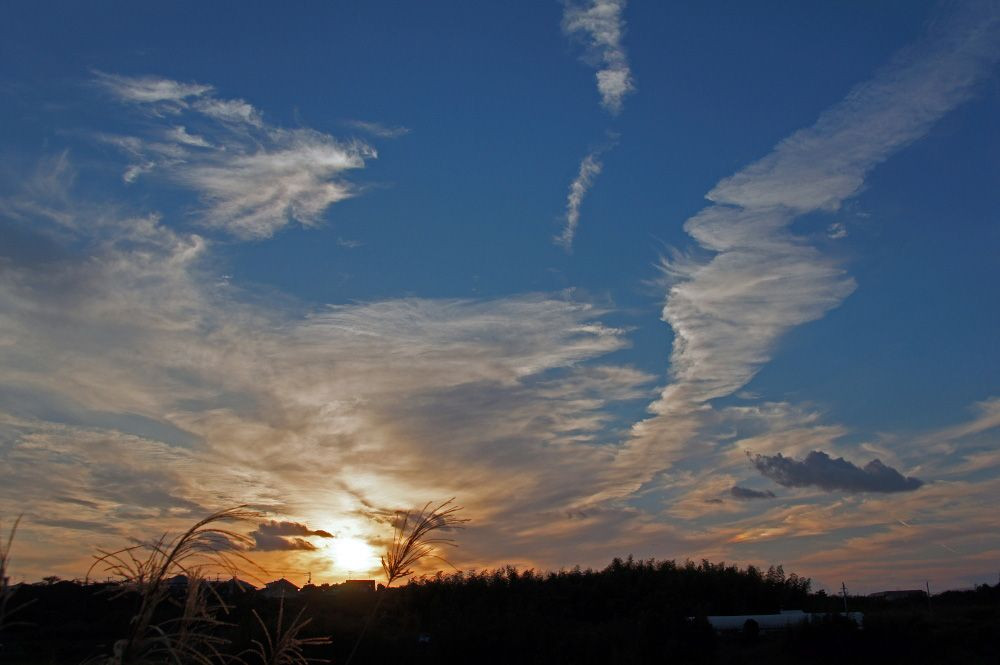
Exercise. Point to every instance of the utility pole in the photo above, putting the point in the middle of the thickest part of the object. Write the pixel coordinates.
(843, 590)
(927, 584)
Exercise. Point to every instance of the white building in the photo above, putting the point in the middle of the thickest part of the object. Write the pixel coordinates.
(781, 621)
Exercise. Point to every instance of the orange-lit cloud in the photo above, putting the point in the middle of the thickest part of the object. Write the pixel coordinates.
(142, 388)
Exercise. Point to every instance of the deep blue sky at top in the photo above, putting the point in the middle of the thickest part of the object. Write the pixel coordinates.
(502, 110)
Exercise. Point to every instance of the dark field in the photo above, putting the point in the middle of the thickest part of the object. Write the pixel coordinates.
(630, 612)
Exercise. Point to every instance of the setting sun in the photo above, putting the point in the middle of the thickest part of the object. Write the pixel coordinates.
(460, 332)
(353, 555)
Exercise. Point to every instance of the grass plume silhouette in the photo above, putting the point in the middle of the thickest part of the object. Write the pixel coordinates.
(415, 538)
(146, 569)
(6, 590)
(283, 646)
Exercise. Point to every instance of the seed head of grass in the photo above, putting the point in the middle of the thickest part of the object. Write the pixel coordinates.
(416, 539)
(6, 590)
(283, 646)
(146, 569)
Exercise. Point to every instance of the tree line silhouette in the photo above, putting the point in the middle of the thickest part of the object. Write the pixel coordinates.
(163, 608)
(632, 611)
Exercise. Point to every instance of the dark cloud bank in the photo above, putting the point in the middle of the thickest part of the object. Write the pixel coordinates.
(273, 536)
(820, 470)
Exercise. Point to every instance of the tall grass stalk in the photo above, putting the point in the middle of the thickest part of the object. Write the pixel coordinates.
(6, 590)
(415, 538)
(146, 569)
(284, 646)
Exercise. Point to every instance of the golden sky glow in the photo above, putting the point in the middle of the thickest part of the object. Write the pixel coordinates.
(655, 351)
(353, 557)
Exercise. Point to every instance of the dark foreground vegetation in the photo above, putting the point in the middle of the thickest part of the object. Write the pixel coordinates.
(630, 612)
(162, 608)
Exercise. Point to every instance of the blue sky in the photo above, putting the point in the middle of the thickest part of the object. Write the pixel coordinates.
(569, 262)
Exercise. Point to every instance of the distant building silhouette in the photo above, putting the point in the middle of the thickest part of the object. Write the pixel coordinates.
(279, 589)
(358, 585)
(178, 585)
(233, 587)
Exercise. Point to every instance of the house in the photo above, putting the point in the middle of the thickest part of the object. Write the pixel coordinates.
(177, 585)
(233, 587)
(781, 621)
(279, 589)
(358, 585)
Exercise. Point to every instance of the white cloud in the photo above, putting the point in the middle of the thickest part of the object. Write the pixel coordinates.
(378, 129)
(600, 24)
(150, 89)
(41, 193)
(133, 171)
(751, 279)
(614, 84)
(234, 111)
(729, 311)
(590, 168)
(836, 231)
(293, 178)
(127, 336)
(127, 367)
(253, 178)
(180, 134)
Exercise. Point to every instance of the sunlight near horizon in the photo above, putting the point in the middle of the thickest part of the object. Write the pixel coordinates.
(351, 555)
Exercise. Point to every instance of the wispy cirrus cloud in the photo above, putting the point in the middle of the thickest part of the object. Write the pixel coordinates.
(138, 387)
(254, 194)
(179, 134)
(599, 23)
(349, 243)
(151, 89)
(378, 129)
(307, 412)
(253, 178)
(836, 231)
(234, 112)
(728, 311)
(590, 168)
(751, 278)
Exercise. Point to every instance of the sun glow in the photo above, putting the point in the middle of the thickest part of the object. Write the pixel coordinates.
(353, 555)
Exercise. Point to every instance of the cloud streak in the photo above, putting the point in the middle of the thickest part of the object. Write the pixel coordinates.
(600, 25)
(139, 386)
(590, 168)
(751, 277)
(747, 494)
(378, 129)
(174, 392)
(729, 311)
(151, 89)
(253, 178)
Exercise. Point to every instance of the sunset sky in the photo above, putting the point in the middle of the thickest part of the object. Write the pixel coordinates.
(676, 279)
